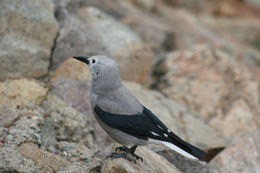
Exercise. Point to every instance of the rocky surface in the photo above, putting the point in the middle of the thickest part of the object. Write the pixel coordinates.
(28, 30)
(241, 156)
(193, 63)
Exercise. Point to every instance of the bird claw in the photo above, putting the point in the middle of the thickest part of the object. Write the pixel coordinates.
(122, 148)
(124, 154)
(121, 155)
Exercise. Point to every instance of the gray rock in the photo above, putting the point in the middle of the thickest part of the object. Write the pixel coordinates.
(243, 155)
(8, 116)
(75, 38)
(184, 164)
(76, 94)
(69, 124)
(28, 30)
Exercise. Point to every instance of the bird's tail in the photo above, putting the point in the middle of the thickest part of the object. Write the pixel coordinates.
(189, 150)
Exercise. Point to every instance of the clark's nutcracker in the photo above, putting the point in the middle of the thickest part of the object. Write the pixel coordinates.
(123, 117)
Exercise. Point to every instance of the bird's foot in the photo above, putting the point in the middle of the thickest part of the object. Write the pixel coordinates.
(122, 148)
(125, 152)
(121, 155)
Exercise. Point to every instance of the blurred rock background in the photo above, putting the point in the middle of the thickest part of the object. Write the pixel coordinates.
(194, 63)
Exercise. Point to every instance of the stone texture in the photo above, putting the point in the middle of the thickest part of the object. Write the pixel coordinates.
(184, 164)
(74, 39)
(21, 92)
(69, 124)
(238, 121)
(8, 116)
(45, 161)
(28, 30)
(243, 155)
(72, 69)
(202, 135)
(152, 163)
(78, 97)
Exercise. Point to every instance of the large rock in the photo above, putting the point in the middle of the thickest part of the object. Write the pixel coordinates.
(28, 30)
(72, 69)
(202, 135)
(75, 39)
(21, 92)
(122, 43)
(45, 161)
(243, 155)
(152, 163)
(239, 120)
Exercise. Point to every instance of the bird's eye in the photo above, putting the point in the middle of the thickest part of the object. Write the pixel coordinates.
(93, 61)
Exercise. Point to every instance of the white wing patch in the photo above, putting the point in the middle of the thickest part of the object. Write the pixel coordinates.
(165, 135)
(155, 134)
(173, 147)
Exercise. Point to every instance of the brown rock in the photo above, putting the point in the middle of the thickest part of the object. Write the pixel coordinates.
(21, 92)
(28, 30)
(183, 163)
(72, 69)
(8, 116)
(47, 162)
(238, 121)
(152, 163)
(200, 134)
(243, 155)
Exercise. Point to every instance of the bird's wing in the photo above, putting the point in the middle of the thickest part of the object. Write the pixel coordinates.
(146, 126)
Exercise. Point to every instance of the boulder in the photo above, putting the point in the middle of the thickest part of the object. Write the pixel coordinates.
(43, 160)
(240, 156)
(74, 39)
(152, 163)
(21, 92)
(28, 30)
(72, 69)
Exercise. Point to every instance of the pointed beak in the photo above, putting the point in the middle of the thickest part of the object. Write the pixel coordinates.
(82, 58)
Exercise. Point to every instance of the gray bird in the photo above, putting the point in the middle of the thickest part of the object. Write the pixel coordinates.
(123, 117)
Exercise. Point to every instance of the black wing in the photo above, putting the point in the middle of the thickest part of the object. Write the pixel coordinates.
(146, 125)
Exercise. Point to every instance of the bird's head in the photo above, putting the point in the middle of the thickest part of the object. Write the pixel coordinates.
(104, 70)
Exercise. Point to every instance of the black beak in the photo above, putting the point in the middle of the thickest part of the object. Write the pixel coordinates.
(82, 58)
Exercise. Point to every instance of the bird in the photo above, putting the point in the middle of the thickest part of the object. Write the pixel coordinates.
(124, 117)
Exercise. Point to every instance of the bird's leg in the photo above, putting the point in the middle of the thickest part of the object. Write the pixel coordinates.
(132, 151)
(125, 152)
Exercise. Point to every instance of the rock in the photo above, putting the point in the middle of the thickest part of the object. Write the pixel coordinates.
(253, 2)
(238, 121)
(12, 161)
(8, 116)
(240, 156)
(21, 92)
(74, 39)
(69, 124)
(184, 164)
(75, 151)
(145, 4)
(78, 97)
(72, 69)
(152, 163)
(187, 77)
(82, 167)
(114, 35)
(46, 162)
(246, 28)
(202, 135)
(122, 43)
(28, 30)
